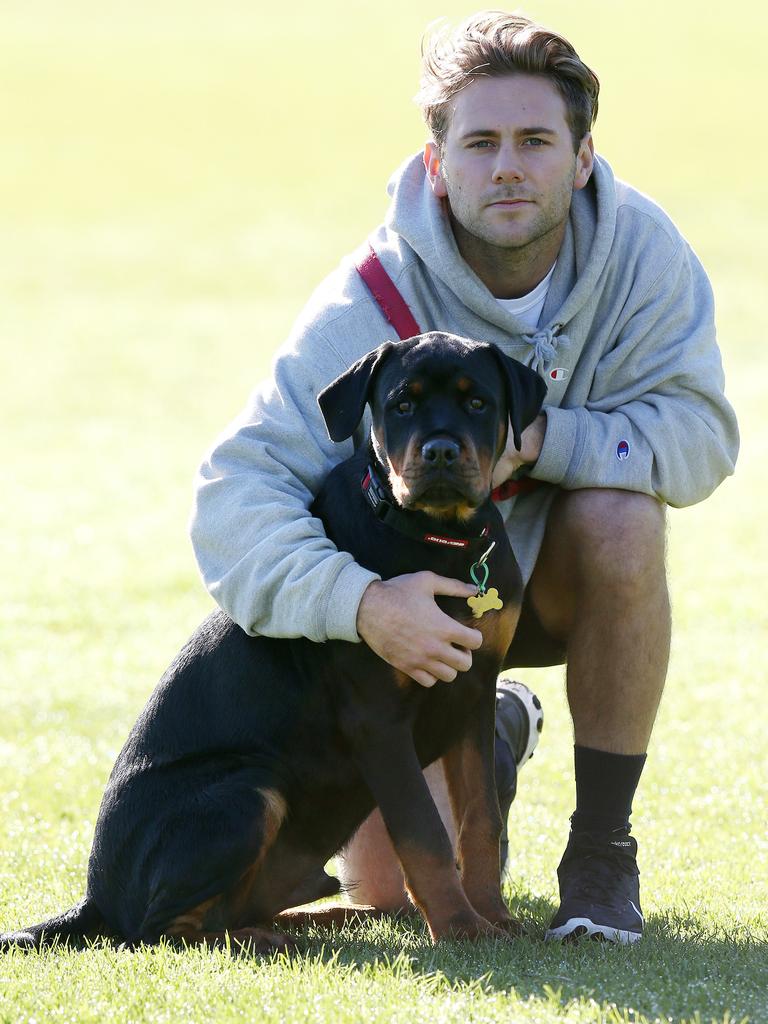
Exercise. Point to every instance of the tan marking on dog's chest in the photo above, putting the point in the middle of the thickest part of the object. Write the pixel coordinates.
(497, 627)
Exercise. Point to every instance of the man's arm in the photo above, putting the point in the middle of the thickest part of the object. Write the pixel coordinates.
(656, 420)
(264, 558)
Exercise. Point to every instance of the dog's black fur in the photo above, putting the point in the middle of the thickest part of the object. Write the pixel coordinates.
(255, 759)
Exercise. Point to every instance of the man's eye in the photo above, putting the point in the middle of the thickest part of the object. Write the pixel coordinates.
(534, 142)
(476, 403)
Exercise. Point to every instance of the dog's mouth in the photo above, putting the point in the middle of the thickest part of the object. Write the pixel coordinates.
(442, 493)
(448, 507)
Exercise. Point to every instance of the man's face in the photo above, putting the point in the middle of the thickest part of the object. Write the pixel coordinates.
(507, 165)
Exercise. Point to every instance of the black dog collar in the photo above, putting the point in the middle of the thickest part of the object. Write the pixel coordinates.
(409, 523)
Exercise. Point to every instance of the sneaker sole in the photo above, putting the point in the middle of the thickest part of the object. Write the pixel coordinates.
(583, 928)
(532, 705)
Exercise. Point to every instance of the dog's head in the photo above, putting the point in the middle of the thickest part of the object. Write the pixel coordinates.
(441, 406)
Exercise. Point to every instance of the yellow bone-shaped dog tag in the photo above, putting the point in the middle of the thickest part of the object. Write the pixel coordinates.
(487, 602)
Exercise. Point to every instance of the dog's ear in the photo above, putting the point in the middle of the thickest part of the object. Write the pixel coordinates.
(343, 401)
(525, 392)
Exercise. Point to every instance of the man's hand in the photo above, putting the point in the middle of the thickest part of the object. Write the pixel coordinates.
(400, 621)
(531, 440)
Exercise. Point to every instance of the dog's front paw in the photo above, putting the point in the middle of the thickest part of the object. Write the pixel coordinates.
(511, 926)
(467, 925)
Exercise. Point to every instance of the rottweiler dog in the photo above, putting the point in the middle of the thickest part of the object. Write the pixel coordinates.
(255, 759)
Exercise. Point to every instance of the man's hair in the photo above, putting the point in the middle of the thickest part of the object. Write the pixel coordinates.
(494, 43)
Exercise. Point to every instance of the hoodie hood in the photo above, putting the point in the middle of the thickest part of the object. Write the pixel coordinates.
(422, 221)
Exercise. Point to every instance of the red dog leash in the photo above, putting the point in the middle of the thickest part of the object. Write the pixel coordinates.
(382, 288)
(396, 312)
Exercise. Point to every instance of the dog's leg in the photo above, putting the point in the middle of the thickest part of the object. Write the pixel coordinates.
(239, 941)
(390, 767)
(221, 920)
(469, 773)
(194, 929)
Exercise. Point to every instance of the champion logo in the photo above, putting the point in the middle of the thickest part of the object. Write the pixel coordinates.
(622, 450)
(558, 373)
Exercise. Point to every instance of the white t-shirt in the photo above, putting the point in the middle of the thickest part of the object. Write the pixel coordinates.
(528, 307)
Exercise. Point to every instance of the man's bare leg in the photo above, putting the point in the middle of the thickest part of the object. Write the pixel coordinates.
(600, 585)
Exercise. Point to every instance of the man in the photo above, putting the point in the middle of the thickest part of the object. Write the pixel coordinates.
(509, 230)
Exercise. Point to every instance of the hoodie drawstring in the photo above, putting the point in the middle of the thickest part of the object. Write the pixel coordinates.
(544, 345)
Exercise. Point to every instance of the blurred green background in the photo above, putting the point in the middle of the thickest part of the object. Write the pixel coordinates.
(175, 179)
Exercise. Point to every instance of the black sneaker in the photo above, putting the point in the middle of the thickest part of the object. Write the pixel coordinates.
(599, 889)
(519, 721)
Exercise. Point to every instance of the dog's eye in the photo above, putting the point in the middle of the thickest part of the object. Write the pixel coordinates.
(476, 403)
(405, 407)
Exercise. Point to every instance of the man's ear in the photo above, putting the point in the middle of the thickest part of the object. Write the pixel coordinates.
(525, 392)
(585, 159)
(433, 165)
(342, 403)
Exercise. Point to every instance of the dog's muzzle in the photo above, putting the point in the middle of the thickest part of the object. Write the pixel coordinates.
(440, 452)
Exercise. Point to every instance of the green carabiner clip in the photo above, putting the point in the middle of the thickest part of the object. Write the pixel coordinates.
(480, 584)
(480, 564)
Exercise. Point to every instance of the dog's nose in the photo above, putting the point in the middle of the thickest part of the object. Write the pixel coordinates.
(440, 451)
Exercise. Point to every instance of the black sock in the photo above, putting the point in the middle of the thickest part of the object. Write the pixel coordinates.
(605, 787)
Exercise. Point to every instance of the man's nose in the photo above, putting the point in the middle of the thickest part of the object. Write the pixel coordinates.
(508, 166)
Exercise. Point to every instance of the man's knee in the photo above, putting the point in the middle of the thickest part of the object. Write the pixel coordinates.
(611, 534)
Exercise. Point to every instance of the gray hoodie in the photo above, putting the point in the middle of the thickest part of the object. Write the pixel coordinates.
(626, 344)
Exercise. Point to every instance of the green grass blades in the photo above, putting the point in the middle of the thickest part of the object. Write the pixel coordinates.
(176, 178)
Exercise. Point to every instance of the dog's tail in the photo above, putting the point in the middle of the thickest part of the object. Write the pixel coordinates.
(82, 922)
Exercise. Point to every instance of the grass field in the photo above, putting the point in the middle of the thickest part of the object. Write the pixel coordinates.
(176, 177)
